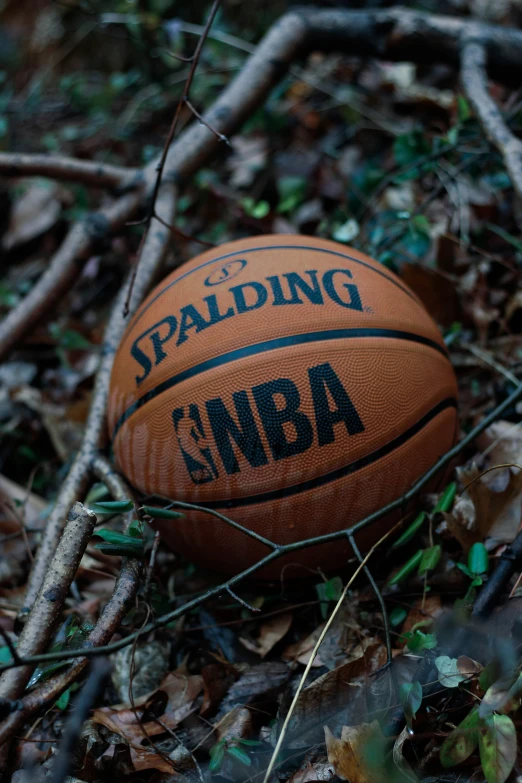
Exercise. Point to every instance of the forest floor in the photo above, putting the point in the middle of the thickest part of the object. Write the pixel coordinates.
(388, 158)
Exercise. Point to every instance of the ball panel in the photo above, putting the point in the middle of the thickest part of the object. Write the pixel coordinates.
(328, 508)
(343, 399)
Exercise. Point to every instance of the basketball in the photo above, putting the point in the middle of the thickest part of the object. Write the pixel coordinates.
(291, 383)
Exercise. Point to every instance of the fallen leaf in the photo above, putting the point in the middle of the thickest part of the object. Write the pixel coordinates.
(259, 680)
(177, 695)
(270, 633)
(35, 211)
(398, 758)
(217, 680)
(498, 747)
(333, 698)
(237, 724)
(310, 772)
(360, 754)
(429, 609)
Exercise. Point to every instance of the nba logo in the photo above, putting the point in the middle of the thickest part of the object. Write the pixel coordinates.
(194, 445)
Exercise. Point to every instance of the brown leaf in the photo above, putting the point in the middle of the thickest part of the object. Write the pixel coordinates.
(237, 724)
(180, 693)
(310, 772)
(258, 680)
(301, 651)
(419, 613)
(217, 679)
(354, 756)
(329, 697)
(468, 666)
(270, 633)
(399, 760)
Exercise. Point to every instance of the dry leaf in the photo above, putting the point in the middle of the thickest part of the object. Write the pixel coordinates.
(35, 211)
(310, 772)
(399, 760)
(418, 613)
(178, 693)
(332, 697)
(301, 651)
(270, 633)
(237, 724)
(258, 680)
(360, 753)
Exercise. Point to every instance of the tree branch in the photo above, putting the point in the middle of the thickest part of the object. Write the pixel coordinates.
(474, 80)
(103, 175)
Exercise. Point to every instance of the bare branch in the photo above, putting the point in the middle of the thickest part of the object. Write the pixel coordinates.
(474, 79)
(50, 599)
(64, 269)
(95, 427)
(102, 175)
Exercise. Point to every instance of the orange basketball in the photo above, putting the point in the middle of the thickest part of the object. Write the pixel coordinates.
(292, 383)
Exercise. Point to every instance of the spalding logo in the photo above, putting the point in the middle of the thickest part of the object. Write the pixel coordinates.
(150, 348)
(207, 435)
(226, 272)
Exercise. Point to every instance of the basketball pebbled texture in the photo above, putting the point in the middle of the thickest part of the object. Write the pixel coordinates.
(292, 383)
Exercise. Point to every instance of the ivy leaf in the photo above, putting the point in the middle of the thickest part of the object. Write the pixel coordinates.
(478, 560)
(64, 699)
(410, 695)
(397, 615)
(462, 741)
(410, 531)
(408, 568)
(445, 501)
(430, 558)
(112, 506)
(497, 746)
(239, 754)
(217, 754)
(162, 513)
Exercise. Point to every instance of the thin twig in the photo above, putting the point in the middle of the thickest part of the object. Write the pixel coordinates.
(241, 601)
(308, 666)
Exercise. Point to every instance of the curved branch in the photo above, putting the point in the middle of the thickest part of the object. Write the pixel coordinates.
(474, 80)
(102, 175)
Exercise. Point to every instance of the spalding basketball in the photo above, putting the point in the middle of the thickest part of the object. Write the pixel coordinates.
(291, 383)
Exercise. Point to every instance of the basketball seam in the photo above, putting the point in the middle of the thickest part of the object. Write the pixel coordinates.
(345, 470)
(396, 283)
(271, 345)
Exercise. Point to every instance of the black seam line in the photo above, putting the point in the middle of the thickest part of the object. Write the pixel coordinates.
(271, 345)
(345, 470)
(273, 247)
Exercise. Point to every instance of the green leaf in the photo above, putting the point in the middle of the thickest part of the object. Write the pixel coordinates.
(161, 513)
(478, 561)
(463, 109)
(129, 549)
(497, 746)
(416, 640)
(462, 741)
(292, 191)
(408, 148)
(114, 537)
(330, 590)
(408, 568)
(465, 570)
(410, 695)
(445, 501)
(410, 531)
(239, 754)
(397, 615)
(64, 699)
(217, 754)
(430, 558)
(113, 506)
(489, 675)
